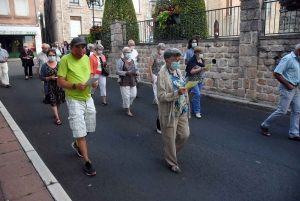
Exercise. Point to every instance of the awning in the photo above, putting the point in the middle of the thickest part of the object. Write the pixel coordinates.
(16, 30)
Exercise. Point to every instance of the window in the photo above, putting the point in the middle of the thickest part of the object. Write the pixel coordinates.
(76, 2)
(228, 4)
(268, 8)
(4, 8)
(99, 4)
(21, 8)
(98, 21)
(75, 26)
(137, 6)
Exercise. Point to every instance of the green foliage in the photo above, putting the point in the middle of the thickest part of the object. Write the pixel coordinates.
(162, 19)
(193, 20)
(121, 10)
(90, 38)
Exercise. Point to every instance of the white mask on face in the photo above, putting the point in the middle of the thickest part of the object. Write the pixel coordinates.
(161, 52)
(132, 47)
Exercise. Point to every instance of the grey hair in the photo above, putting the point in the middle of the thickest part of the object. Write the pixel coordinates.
(130, 41)
(89, 45)
(126, 49)
(160, 45)
(25, 44)
(297, 47)
(97, 46)
(172, 52)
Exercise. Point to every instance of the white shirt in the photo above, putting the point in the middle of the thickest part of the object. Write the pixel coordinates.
(58, 54)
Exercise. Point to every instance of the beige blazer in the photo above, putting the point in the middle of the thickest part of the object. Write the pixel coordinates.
(167, 97)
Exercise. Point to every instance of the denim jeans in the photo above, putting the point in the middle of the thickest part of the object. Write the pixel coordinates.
(287, 98)
(196, 106)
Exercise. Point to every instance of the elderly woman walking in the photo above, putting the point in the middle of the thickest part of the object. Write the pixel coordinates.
(156, 62)
(98, 62)
(127, 79)
(54, 94)
(27, 56)
(195, 72)
(173, 107)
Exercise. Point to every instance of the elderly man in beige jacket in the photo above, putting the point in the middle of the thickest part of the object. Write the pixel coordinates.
(173, 107)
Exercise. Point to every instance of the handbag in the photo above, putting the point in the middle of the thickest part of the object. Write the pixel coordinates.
(104, 70)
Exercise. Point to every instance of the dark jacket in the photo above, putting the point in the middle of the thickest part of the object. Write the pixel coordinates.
(27, 62)
(192, 63)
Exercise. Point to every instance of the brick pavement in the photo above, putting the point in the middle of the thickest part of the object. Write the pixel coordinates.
(19, 181)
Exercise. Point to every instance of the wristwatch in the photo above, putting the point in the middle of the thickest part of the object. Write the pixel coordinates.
(74, 86)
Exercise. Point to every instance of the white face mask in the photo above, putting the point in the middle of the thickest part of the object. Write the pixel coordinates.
(201, 56)
(132, 47)
(161, 52)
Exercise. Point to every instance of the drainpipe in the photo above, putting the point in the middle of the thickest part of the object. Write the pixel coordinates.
(62, 18)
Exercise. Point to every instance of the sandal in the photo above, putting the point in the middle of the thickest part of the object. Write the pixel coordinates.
(265, 131)
(175, 169)
(58, 122)
(129, 114)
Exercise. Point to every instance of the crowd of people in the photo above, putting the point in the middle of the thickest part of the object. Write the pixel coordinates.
(71, 73)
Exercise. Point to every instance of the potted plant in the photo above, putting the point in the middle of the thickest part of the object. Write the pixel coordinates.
(97, 32)
(290, 5)
(167, 15)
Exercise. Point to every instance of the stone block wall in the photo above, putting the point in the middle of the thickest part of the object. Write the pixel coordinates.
(245, 64)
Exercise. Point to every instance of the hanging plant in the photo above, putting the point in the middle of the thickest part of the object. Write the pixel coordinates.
(97, 32)
(290, 5)
(167, 15)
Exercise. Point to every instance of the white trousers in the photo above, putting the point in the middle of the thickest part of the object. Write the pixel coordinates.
(102, 85)
(4, 73)
(128, 95)
(154, 86)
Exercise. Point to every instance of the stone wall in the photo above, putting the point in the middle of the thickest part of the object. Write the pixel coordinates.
(245, 64)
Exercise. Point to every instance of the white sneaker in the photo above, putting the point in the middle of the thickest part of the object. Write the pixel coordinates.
(198, 115)
(158, 131)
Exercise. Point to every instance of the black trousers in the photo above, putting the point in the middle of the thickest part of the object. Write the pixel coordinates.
(26, 68)
(157, 123)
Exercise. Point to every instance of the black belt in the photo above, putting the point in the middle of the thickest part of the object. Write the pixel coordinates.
(293, 84)
(2, 61)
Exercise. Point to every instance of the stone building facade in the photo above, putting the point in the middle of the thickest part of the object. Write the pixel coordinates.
(245, 64)
(66, 19)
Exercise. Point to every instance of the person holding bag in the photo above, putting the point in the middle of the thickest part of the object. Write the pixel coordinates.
(128, 81)
(99, 70)
(27, 56)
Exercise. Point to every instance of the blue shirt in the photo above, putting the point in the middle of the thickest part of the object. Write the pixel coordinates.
(189, 54)
(3, 54)
(289, 68)
(181, 106)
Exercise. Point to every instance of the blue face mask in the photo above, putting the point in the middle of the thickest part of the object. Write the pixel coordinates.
(52, 58)
(200, 56)
(100, 51)
(128, 55)
(175, 65)
(194, 44)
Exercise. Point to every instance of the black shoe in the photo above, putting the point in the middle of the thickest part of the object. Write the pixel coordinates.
(104, 104)
(297, 138)
(76, 148)
(265, 131)
(8, 85)
(89, 170)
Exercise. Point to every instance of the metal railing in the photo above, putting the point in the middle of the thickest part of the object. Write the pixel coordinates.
(198, 24)
(278, 20)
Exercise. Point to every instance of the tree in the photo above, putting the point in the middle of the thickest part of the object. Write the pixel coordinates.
(122, 10)
(194, 25)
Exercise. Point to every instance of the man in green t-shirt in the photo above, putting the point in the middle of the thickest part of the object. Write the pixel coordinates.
(74, 71)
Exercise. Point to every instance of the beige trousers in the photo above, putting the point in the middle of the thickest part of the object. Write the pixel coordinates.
(175, 138)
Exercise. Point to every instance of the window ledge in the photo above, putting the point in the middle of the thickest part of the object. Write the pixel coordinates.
(97, 9)
(24, 17)
(8, 16)
(75, 6)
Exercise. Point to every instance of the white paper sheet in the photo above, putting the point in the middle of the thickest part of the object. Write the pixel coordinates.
(91, 81)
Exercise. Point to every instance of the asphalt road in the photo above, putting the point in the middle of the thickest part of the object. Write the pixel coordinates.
(226, 157)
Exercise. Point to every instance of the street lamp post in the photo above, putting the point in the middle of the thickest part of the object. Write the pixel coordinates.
(92, 3)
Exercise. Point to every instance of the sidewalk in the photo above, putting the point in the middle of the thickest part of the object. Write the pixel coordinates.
(23, 174)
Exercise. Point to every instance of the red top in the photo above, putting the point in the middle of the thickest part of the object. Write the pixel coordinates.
(94, 63)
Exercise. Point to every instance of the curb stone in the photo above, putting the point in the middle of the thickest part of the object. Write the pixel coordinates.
(55, 189)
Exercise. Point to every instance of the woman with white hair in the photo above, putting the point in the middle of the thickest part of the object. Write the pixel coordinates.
(98, 62)
(27, 56)
(127, 79)
(156, 62)
(173, 107)
(90, 49)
